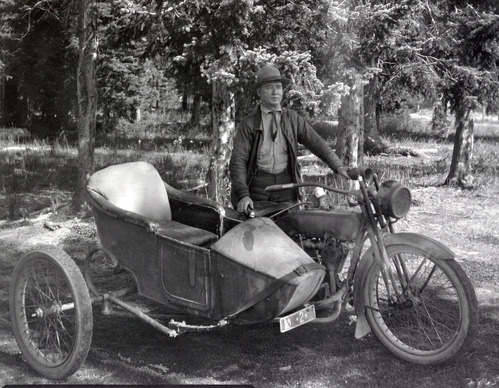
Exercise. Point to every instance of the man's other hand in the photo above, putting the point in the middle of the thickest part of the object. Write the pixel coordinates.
(343, 171)
(245, 205)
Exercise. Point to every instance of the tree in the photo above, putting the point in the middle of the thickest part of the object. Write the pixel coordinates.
(87, 97)
(391, 38)
(467, 66)
(223, 128)
(42, 58)
(343, 38)
(4, 34)
(126, 84)
(349, 144)
(444, 51)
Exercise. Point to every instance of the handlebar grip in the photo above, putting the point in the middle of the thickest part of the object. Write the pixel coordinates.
(280, 187)
(355, 172)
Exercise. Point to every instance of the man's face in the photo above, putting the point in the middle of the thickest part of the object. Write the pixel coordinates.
(270, 94)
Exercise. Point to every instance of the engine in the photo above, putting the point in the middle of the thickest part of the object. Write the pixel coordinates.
(329, 252)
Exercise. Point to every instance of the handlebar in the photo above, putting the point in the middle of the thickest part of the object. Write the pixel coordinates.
(356, 173)
(305, 184)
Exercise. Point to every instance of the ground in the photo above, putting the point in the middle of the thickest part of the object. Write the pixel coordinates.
(126, 351)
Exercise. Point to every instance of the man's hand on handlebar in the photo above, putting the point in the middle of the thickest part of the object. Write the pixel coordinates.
(343, 171)
(245, 205)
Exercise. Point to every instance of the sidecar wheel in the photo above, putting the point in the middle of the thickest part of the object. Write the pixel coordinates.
(51, 312)
(436, 317)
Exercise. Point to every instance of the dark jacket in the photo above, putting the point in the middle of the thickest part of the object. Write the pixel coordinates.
(249, 137)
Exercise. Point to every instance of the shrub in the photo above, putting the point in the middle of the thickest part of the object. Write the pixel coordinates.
(182, 170)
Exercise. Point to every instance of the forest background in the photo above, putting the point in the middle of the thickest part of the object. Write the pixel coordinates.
(86, 71)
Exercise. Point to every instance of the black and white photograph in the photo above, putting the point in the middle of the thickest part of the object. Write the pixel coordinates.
(249, 193)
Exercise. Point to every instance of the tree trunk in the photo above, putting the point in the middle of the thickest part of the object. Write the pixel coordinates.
(223, 122)
(87, 98)
(460, 168)
(373, 144)
(3, 79)
(370, 102)
(196, 110)
(185, 100)
(351, 127)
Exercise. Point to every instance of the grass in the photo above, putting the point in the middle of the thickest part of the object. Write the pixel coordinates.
(40, 167)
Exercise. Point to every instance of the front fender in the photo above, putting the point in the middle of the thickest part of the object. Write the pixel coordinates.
(429, 245)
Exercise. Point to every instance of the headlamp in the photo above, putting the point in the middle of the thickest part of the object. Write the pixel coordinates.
(394, 199)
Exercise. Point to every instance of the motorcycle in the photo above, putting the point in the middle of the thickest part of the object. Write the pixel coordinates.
(291, 263)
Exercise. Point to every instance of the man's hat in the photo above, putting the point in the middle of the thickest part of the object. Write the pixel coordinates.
(269, 74)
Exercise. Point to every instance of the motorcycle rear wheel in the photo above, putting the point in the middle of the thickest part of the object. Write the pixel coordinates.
(51, 312)
(435, 319)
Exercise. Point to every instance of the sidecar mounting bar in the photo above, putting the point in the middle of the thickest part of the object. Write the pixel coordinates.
(175, 328)
(142, 316)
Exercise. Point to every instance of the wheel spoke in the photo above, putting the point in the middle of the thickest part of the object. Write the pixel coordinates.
(417, 271)
(423, 331)
(430, 275)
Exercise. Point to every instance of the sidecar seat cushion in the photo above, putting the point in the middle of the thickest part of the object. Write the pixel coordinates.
(185, 233)
(135, 187)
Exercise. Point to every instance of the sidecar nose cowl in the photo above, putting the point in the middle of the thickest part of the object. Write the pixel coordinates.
(261, 272)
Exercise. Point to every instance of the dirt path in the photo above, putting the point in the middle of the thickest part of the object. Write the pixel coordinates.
(125, 351)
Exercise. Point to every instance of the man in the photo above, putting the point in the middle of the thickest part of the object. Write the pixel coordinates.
(266, 145)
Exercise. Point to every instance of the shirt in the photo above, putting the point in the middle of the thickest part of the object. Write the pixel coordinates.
(273, 154)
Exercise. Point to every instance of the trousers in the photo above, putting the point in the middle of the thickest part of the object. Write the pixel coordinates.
(263, 179)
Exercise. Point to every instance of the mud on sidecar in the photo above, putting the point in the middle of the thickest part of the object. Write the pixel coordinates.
(184, 252)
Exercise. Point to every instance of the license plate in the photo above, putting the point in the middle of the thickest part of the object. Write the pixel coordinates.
(298, 318)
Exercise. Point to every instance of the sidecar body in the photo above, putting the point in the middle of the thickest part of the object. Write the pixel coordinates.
(188, 253)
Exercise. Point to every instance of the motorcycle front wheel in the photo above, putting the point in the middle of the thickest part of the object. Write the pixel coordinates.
(51, 312)
(433, 318)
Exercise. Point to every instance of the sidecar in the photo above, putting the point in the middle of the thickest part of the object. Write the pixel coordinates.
(187, 254)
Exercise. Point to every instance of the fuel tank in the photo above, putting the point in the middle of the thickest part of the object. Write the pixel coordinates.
(260, 273)
(337, 224)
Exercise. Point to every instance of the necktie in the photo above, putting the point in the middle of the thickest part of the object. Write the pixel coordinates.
(273, 125)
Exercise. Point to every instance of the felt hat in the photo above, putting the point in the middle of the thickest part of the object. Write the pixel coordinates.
(269, 74)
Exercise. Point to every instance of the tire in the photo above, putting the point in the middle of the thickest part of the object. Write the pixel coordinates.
(51, 312)
(436, 318)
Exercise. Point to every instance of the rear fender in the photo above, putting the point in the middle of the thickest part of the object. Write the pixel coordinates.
(431, 246)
